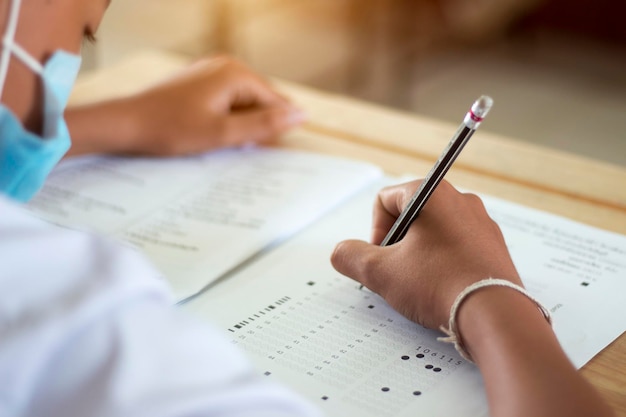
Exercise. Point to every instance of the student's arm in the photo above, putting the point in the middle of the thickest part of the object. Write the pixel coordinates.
(100, 336)
(214, 103)
(525, 370)
(454, 244)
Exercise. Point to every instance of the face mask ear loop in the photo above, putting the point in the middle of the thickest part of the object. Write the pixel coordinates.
(8, 42)
(27, 59)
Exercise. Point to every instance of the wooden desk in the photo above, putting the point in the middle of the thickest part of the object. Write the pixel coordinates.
(581, 189)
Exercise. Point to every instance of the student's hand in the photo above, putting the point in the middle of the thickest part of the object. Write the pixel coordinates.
(212, 104)
(452, 244)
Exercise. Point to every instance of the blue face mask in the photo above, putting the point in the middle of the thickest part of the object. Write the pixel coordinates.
(26, 159)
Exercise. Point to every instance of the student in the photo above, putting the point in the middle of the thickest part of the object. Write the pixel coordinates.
(87, 327)
(213, 103)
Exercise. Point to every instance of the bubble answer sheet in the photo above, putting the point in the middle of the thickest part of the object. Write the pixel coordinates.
(347, 351)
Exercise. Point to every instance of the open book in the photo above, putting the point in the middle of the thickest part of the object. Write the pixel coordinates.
(201, 216)
(263, 222)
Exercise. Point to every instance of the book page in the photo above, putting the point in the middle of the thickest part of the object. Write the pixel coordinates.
(198, 217)
(346, 350)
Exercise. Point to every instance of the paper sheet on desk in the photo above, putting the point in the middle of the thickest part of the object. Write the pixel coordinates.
(578, 272)
(198, 217)
(348, 352)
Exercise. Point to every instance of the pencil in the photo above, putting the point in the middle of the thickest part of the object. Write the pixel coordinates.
(470, 123)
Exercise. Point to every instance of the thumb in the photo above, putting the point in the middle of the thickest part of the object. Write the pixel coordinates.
(358, 260)
(260, 125)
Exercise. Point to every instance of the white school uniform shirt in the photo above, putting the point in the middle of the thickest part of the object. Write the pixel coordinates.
(87, 328)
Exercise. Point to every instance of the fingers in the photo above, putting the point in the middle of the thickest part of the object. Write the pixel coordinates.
(260, 125)
(360, 261)
(224, 84)
(388, 205)
(383, 220)
(249, 89)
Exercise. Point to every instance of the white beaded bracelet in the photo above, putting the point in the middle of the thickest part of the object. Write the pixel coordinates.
(452, 331)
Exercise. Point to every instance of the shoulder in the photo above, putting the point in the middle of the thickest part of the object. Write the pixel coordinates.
(56, 284)
(88, 328)
(46, 265)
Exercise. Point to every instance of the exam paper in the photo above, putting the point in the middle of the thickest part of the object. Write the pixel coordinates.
(345, 349)
(577, 271)
(199, 217)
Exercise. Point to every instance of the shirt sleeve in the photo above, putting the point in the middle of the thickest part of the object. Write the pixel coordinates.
(144, 359)
(87, 328)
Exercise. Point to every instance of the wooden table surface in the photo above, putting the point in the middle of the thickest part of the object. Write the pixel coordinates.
(582, 189)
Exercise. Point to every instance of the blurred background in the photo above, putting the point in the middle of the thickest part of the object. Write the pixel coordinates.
(555, 68)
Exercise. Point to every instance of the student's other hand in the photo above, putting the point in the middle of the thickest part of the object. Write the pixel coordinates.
(452, 244)
(213, 103)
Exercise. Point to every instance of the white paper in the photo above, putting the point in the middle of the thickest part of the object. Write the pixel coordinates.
(577, 271)
(307, 326)
(198, 217)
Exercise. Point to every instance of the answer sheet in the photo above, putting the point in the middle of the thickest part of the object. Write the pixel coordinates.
(198, 217)
(346, 350)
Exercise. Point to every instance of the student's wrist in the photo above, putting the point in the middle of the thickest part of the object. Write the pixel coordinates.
(523, 365)
(500, 320)
(111, 127)
(131, 128)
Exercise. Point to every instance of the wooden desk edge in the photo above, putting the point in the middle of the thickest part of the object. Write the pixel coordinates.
(489, 154)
